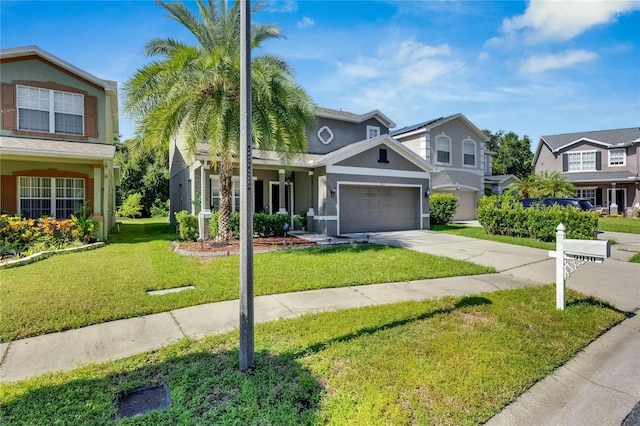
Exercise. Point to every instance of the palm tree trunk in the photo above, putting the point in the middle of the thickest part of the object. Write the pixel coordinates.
(226, 181)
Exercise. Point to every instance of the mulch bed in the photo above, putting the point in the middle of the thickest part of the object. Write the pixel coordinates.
(260, 245)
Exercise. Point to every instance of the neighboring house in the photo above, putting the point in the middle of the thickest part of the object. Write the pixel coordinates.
(455, 149)
(353, 178)
(603, 165)
(56, 138)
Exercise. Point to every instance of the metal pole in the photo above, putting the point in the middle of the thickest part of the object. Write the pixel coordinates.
(246, 197)
(560, 282)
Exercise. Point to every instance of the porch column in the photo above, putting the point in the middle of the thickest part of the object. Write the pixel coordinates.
(281, 192)
(205, 214)
(613, 207)
(310, 212)
(97, 185)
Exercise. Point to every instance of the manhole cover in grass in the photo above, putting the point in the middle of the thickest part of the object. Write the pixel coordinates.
(143, 400)
(170, 290)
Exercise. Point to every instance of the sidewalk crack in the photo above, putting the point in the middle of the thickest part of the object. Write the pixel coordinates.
(599, 384)
(178, 324)
(6, 354)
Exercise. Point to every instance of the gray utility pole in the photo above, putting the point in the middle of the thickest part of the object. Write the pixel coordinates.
(246, 194)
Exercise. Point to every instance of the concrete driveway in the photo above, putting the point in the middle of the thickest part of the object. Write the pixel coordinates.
(615, 281)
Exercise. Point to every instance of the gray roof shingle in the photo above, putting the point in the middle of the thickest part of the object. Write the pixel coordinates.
(607, 137)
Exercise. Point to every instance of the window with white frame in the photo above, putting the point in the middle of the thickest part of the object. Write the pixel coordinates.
(588, 193)
(373, 132)
(215, 193)
(50, 111)
(443, 149)
(581, 161)
(617, 157)
(54, 197)
(469, 153)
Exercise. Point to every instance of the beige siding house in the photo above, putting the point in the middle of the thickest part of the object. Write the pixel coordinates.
(353, 178)
(455, 149)
(604, 165)
(56, 138)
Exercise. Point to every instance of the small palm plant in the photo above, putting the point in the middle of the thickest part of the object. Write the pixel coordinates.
(85, 227)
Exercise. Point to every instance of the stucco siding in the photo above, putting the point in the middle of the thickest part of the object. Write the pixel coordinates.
(458, 132)
(344, 133)
(371, 158)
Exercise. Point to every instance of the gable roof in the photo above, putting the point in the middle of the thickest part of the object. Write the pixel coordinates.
(29, 52)
(354, 118)
(426, 126)
(614, 138)
(36, 147)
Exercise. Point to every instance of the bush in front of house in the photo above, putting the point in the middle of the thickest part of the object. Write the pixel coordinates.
(264, 225)
(504, 215)
(442, 208)
(187, 225)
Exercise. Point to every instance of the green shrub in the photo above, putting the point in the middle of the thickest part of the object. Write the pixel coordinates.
(235, 224)
(442, 207)
(187, 225)
(132, 207)
(159, 208)
(264, 225)
(504, 215)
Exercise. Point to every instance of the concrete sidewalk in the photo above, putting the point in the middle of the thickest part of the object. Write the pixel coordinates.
(603, 379)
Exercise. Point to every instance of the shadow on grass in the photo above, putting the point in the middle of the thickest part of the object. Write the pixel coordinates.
(131, 233)
(462, 303)
(447, 227)
(592, 301)
(205, 387)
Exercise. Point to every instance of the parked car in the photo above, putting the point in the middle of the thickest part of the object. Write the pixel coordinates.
(578, 203)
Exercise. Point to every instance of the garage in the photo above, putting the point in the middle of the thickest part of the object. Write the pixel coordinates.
(466, 204)
(378, 208)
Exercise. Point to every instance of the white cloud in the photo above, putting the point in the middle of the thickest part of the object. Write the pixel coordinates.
(281, 6)
(483, 56)
(546, 20)
(537, 64)
(357, 70)
(306, 22)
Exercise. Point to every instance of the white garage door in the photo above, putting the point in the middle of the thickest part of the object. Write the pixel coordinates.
(378, 208)
(466, 205)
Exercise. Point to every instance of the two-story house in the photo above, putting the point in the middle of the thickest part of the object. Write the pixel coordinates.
(354, 177)
(604, 165)
(455, 149)
(56, 138)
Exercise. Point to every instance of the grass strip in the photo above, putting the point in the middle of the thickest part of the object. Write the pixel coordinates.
(79, 289)
(440, 362)
(480, 233)
(619, 224)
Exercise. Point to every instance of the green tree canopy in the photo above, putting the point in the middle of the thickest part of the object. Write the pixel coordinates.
(513, 154)
(195, 90)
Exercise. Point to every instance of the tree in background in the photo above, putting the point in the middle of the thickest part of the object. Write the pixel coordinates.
(513, 154)
(542, 185)
(145, 172)
(196, 89)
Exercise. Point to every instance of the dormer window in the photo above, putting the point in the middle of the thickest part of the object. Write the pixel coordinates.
(373, 132)
(50, 111)
(443, 150)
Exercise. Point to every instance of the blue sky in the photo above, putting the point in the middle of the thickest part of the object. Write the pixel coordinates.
(535, 68)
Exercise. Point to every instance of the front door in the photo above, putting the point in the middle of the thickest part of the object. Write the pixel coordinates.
(620, 197)
(274, 197)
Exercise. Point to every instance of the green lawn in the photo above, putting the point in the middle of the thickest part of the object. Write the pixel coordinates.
(75, 290)
(479, 232)
(453, 361)
(619, 224)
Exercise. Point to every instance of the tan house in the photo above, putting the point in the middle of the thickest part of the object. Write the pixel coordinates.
(604, 165)
(353, 178)
(56, 138)
(455, 149)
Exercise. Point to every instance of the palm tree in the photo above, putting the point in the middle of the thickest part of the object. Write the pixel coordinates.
(194, 90)
(554, 185)
(526, 188)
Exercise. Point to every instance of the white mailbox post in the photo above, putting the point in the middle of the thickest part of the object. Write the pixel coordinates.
(570, 254)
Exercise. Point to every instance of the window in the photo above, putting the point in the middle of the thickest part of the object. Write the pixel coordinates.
(469, 153)
(581, 161)
(215, 194)
(617, 157)
(382, 156)
(54, 197)
(443, 149)
(50, 111)
(588, 193)
(373, 132)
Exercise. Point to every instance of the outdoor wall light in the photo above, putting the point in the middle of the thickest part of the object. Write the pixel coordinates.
(333, 191)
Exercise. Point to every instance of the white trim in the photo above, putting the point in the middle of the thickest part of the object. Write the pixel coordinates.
(326, 218)
(328, 129)
(581, 140)
(582, 169)
(475, 153)
(624, 157)
(423, 148)
(377, 131)
(383, 119)
(453, 186)
(366, 171)
(291, 197)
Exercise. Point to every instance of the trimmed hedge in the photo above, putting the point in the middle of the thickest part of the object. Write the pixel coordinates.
(187, 225)
(504, 215)
(264, 225)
